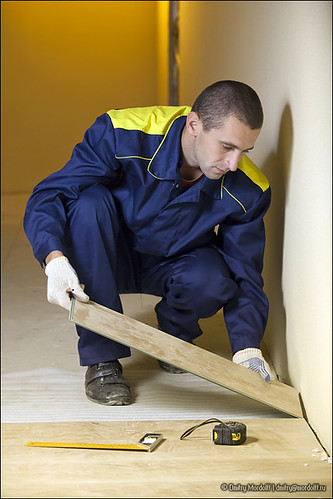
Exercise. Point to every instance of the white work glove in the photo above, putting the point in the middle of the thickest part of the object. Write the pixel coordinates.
(253, 359)
(63, 279)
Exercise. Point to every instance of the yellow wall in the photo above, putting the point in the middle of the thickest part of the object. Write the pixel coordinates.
(63, 64)
(282, 49)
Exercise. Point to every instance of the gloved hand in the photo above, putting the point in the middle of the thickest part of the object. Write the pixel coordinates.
(253, 359)
(63, 279)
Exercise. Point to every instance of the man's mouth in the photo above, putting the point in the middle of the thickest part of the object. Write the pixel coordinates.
(221, 172)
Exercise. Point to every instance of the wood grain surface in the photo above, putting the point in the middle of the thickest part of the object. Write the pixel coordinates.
(276, 454)
(187, 356)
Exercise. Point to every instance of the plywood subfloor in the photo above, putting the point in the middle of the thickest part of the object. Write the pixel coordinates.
(279, 453)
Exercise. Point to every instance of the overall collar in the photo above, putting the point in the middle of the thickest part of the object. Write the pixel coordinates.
(167, 157)
(166, 162)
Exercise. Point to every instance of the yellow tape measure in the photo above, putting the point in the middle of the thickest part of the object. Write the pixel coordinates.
(147, 443)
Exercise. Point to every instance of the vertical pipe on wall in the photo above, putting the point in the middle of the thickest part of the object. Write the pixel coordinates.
(173, 54)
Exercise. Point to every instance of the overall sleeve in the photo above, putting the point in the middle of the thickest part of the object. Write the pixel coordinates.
(242, 244)
(92, 162)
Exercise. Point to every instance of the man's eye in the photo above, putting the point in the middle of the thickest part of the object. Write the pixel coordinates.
(227, 148)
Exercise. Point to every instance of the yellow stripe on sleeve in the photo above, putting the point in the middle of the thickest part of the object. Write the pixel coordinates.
(252, 171)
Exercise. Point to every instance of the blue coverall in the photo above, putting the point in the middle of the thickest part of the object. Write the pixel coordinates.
(118, 212)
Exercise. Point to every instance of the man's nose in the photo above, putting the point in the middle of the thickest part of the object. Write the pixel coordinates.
(233, 159)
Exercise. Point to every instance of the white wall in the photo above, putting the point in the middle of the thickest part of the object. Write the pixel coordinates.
(282, 49)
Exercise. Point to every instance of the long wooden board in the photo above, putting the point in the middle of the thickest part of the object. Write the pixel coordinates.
(189, 357)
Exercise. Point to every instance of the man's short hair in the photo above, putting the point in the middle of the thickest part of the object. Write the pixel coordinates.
(228, 98)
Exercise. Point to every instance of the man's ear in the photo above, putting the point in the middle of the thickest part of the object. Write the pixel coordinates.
(193, 123)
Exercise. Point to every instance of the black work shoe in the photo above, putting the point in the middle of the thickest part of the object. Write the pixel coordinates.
(105, 384)
(170, 368)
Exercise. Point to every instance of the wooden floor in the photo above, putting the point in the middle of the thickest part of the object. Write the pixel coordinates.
(279, 456)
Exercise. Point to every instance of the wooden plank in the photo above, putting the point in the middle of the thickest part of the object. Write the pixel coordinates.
(192, 358)
(277, 451)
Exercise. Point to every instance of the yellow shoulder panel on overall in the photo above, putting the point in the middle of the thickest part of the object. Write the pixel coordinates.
(252, 171)
(154, 120)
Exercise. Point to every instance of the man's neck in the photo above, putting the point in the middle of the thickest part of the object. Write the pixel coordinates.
(190, 172)
(187, 170)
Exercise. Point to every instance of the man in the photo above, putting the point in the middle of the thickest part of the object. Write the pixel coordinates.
(164, 201)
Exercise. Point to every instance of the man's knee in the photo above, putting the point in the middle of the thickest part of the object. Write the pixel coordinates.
(202, 281)
(94, 199)
(94, 206)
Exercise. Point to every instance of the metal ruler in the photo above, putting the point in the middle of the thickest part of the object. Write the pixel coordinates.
(147, 443)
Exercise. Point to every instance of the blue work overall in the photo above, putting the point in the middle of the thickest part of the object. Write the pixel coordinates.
(117, 210)
(192, 286)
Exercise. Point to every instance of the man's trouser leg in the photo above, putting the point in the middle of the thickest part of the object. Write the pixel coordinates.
(98, 251)
(193, 286)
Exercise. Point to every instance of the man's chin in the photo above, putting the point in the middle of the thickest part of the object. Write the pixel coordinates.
(214, 175)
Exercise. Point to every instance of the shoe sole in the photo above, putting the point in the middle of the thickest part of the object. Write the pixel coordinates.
(110, 402)
(174, 371)
(169, 368)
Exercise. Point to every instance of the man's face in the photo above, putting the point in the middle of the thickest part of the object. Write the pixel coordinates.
(218, 151)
